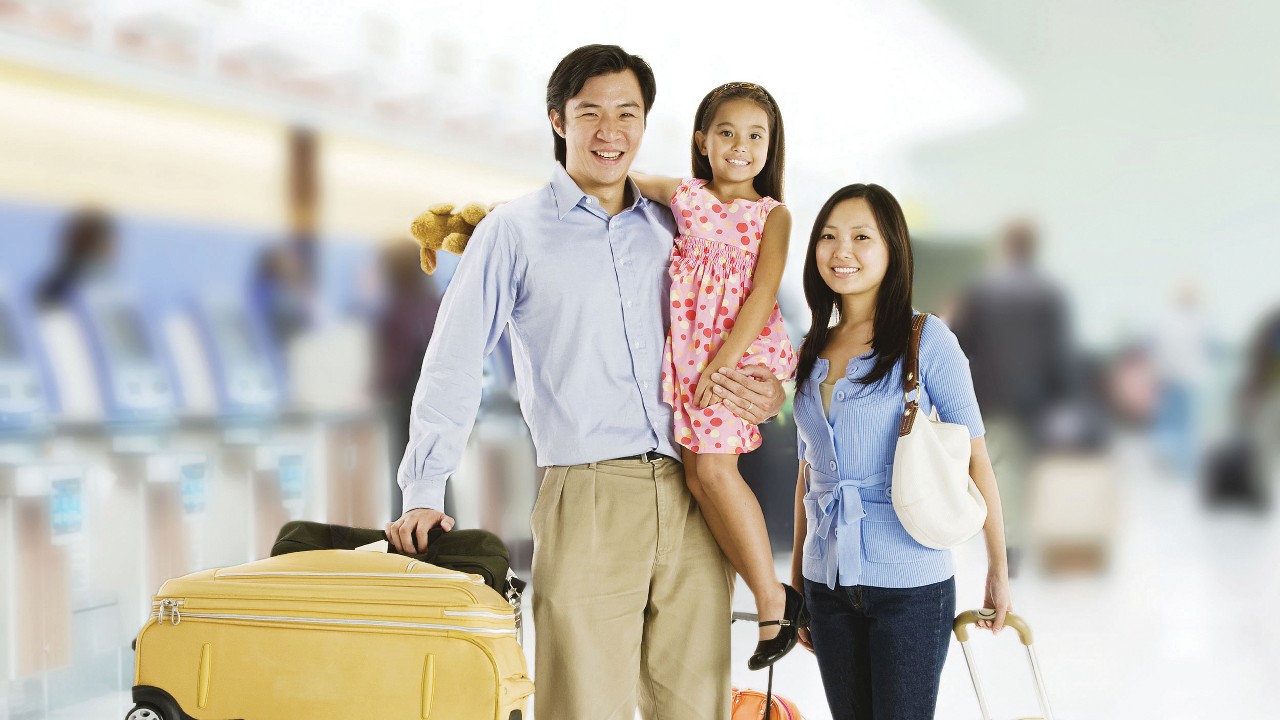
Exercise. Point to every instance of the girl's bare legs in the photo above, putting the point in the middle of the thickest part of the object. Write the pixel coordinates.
(734, 516)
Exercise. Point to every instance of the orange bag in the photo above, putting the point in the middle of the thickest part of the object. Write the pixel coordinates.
(749, 705)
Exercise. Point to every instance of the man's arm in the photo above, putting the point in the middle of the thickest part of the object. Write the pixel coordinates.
(475, 309)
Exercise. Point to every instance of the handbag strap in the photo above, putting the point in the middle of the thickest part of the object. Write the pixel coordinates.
(911, 376)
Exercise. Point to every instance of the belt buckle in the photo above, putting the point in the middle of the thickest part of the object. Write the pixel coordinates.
(648, 456)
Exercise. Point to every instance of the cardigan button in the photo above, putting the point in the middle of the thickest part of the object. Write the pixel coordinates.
(840, 395)
(833, 466)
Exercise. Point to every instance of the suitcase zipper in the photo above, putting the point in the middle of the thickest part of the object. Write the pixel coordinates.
(479, 613)
(169, 608)
(462, 581)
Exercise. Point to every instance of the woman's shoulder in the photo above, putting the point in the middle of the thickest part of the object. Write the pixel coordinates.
(937, 342)
(932, 323)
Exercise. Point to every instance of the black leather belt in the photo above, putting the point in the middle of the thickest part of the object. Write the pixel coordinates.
(647, 457)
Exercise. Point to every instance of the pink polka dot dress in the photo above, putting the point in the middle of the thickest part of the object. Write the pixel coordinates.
(712, 265)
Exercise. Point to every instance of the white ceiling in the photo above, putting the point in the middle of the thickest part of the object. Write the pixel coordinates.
(859, 82)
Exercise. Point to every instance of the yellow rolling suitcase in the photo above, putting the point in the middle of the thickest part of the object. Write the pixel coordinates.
(971, 617)
(330, 635)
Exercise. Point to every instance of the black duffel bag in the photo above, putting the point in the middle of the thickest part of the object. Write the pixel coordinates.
(478, 552)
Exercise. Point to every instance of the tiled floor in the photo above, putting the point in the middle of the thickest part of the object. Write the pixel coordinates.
(1183, 625)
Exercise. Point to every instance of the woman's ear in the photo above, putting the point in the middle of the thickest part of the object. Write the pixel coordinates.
(557, 122)
(700, 138)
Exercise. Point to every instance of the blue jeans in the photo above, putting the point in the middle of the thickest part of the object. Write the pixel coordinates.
(881, 650)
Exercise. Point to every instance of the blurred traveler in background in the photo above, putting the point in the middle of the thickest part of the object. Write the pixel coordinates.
(1181, 349)
(403, 326)
(1013, 326)
(1243, 468)
(88, 242)
(281, 293)
(1260, 396)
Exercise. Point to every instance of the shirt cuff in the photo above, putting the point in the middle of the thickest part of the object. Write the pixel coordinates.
(423, 494)
(970, 416)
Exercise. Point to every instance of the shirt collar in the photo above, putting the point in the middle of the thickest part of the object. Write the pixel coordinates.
(568, 195)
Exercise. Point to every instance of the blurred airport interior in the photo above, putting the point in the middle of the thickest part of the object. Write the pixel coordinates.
(212, 317)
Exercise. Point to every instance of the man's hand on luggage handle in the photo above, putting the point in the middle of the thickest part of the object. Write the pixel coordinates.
(752, 393)
(409, 533)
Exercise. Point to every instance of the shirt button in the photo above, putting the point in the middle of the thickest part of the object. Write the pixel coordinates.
(833, 466)
(628, 303)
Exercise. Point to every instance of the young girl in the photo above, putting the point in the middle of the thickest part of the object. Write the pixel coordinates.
(725, 270)
(882, 603)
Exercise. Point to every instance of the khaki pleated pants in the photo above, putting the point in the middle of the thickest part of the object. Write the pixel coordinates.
(631, 597)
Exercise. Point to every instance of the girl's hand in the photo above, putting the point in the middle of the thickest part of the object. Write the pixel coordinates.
(997, 598)
(704, 396)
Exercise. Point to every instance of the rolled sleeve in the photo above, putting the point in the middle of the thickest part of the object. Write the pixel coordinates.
(944, 370)
(476, 307)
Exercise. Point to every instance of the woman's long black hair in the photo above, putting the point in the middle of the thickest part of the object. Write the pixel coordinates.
(892, 324)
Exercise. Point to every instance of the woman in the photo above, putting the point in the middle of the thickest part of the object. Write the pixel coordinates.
(881, 603)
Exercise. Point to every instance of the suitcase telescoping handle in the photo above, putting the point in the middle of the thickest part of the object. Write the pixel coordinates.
(971, 617)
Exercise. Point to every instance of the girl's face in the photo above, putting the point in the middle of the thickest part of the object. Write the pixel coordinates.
(851, 253)
(737, 141)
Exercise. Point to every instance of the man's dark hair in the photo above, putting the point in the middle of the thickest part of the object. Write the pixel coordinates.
(585, 63)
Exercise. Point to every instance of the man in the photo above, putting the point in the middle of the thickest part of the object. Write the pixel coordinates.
(1013, 326)
(631, 594)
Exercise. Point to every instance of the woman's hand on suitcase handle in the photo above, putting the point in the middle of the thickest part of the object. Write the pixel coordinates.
(997, 599)
(409, 533)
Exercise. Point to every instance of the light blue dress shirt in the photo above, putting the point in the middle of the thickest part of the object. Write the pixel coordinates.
(854, 537)
(585, 298)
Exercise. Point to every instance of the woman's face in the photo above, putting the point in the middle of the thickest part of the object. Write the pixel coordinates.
(851, 253)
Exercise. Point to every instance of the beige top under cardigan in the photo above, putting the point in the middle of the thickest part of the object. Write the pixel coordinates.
(826, 389)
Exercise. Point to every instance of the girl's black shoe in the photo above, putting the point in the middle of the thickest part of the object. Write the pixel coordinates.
(794, 617)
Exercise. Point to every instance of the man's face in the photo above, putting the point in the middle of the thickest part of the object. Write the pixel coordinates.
(602, 128)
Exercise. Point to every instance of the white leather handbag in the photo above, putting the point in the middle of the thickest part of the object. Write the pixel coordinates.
(936, 500)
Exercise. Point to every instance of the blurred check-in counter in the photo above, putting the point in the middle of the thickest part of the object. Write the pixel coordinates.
(139, 444)
(40, 509)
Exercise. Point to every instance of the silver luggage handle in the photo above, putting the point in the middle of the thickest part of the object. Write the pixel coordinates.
(972, 617)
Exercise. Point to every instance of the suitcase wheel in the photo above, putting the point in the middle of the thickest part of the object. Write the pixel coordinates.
(145, 712)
